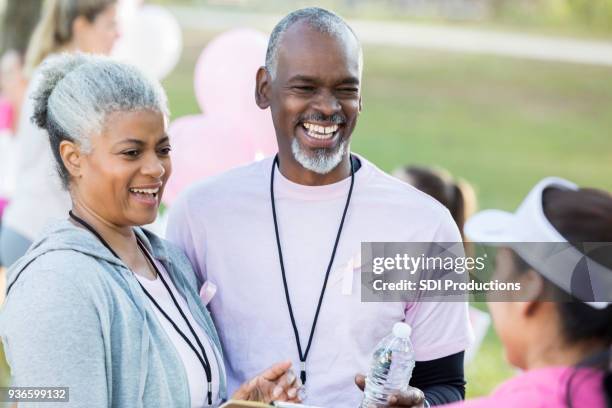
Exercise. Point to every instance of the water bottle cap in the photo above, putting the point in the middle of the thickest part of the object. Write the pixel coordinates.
(402, 330)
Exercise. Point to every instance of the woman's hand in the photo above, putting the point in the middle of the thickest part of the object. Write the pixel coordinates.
(277, 383)
(410, 398)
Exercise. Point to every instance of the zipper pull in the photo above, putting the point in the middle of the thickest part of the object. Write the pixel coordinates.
(209, 393)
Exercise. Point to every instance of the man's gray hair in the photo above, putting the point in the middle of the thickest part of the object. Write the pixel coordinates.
(75, 93)
(319, 19)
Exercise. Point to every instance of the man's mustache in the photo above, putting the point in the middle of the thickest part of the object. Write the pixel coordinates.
(336, 118)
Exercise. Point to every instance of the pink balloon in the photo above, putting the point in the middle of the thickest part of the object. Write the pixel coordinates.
(203, 147)
(225, 85)
(233, 130)
(257, 131)
(225, 72)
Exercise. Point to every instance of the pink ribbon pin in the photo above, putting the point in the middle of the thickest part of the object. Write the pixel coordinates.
(207, 292)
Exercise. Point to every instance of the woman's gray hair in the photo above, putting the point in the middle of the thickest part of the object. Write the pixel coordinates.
(76, 93)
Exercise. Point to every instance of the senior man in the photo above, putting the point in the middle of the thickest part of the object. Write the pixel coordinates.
(277, 237)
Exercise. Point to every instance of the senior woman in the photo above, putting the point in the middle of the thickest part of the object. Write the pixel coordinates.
(97, 304)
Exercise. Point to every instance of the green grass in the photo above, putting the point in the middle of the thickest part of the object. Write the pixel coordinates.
(488, 369)
(500, 123)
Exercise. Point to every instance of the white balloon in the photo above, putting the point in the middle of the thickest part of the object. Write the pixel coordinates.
(126, 10)
(151, 40)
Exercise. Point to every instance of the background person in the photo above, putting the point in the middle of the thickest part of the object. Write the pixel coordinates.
(456, 195)
(99, 305)
(65, 26)
(18, 21)
(563, 346)
(459, 197)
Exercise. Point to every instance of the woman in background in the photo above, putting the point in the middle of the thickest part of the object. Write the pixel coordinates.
(65, 26)
(19, 18)
(563, 346)
(456, 195)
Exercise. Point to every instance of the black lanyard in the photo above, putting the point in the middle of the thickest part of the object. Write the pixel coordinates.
(203, 358)
(304, 355)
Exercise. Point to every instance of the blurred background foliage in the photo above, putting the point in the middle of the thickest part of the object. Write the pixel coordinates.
(575, 17)
(17, 22)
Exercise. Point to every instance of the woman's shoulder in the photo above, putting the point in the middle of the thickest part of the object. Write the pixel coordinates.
(161, 248)
(57, 268)
(165, 250)
(64, 257)
(56, 284)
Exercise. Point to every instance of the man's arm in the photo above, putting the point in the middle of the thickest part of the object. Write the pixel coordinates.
(441, 333)
(442, 380)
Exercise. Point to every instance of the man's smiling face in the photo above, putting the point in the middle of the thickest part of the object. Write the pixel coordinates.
(314, 96)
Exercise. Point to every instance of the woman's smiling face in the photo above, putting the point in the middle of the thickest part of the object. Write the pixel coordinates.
(122, 178)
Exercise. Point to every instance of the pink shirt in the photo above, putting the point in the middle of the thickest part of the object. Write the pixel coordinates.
(544, 388)
(226, 228)
(6, 114)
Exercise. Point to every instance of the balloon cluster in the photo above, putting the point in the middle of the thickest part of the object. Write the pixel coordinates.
(232, 131)
(150, 38)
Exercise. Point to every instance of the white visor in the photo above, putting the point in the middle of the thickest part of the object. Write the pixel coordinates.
(530, 225)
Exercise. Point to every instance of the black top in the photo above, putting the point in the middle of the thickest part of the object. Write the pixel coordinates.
(442, 380)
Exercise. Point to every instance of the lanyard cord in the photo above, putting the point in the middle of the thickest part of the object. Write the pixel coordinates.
(304, 355)
(203, 361)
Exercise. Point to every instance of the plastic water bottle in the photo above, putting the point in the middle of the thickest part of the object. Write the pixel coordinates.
(391, 368)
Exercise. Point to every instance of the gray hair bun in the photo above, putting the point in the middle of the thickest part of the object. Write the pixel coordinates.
(51, 73)
(75, 93)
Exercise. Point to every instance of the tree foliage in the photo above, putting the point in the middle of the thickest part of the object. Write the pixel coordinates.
(595, 15)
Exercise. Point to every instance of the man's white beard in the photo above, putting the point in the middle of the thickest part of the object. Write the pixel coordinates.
(321, 161)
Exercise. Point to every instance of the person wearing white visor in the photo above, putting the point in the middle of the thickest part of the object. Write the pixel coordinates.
(563, 347)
